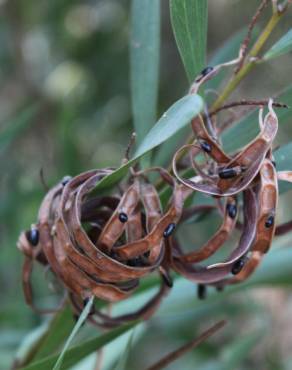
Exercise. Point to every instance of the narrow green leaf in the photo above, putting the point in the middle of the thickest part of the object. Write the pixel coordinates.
(189, 20)
(283, 160)
(59, 329)
(173, 120)
(75, 330)
(236, 352)
(78, 352)
(46, 339)
(177, 117)
(14, 127)
(144, 56)
(282, 46)
(122, 362)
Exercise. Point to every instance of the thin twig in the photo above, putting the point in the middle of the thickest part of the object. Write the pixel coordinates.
(236, 79)
(246, 102)
(246, 41)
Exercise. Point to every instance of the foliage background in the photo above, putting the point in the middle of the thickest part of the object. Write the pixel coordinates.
(65, 107)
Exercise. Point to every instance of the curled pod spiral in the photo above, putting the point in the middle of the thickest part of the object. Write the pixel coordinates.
(102, 245)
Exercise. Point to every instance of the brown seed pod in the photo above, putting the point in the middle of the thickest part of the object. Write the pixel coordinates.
(218, 271)
(102, 246)
(249, 160)
(266, 203)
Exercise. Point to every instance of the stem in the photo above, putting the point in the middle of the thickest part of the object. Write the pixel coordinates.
(235, 80)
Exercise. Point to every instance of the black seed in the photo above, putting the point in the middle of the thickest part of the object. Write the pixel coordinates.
(167, 279)
(227, 173)
(238, 266)
(123, 217)
(231, 210)
(270, 221)
(33, 236)
(65, 180)
(206, 71)
(146, 254)
(136, 262)
(206, 146)
(85, 301)
(113, 254)
(274, 163)
(202, 291)
(169, 230)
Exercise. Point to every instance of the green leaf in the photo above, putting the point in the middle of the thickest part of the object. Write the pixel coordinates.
(46, 339)
(59, 329)
(122, 362)
(16, 126)
(189, 20)
(144, 56)
(78, 352)
(177, 117)
(75, 330)
(283, 160)
(236, 352)
(282, 46)
(173, 120)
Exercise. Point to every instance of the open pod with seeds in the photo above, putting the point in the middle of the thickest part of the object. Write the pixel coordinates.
(103, 245)
(249, 174)
(221, 174)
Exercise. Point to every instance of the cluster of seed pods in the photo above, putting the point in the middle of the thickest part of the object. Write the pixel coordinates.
(103, 245)
(250, 175)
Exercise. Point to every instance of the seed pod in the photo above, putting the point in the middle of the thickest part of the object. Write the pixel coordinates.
(250, 158)
(124, 245)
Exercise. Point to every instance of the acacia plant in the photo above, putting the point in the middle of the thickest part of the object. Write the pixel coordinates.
(112, 234)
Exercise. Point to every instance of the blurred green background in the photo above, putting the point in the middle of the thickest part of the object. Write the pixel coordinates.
(65, 107)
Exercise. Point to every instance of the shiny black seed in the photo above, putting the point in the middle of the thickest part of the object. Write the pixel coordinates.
(238, 266)
(274, 163)
(146, 254)
(169, 230)
(231, 210)
(206, 146)
(227, 173)
(123, 217)
(167, 280)
(269, 222)
(33, 236)
(202, 291)
(65, 180)
(207, 70)
(113, 254)
(85, 301)
(136, 262)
